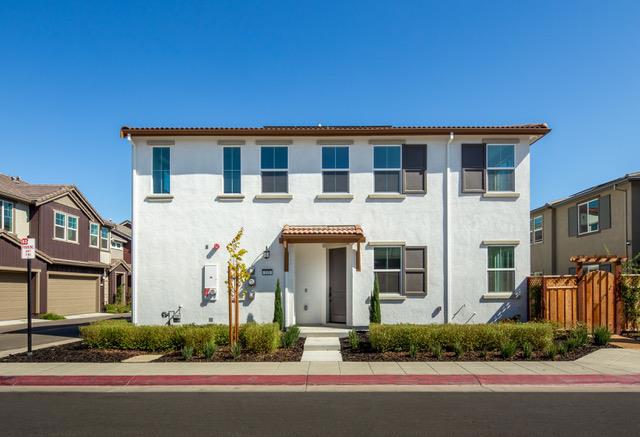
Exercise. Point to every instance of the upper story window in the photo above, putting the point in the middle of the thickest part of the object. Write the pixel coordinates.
(161, 170)
(231, 170)
(65, 227)
(6, 215)
(589, 216)
(386, 169)
(115, 244)
(104, 238)
(274, 163)
(387, 267)
(501, 269)
(535, 231)
(335, 169)
(94, 230)
(500, 167)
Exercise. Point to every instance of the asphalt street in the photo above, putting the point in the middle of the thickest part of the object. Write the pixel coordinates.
(319, 414)
(14, 337)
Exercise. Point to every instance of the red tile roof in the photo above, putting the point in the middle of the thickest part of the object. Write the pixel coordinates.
(318, 232)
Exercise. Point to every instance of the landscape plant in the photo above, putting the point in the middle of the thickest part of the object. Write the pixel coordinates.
(209, 349)
(508, 349)
(187, 352)
(375, 316)
(601, 335)
(278, 313)
(237, 275)
(51, 316)
(527, 350)
(354, 339)
(290, 336)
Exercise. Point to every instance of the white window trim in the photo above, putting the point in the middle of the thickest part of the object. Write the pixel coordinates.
(399, 270)
(97, 246)
(532, 230)
(119, 244)
(66, 227)
(163, 195)
(513, 169)
(513, 269)
(13, 215)
(578, 210)
(347, 168)
(275, 169)
(106, 249)
(241, 184)
(373, 165)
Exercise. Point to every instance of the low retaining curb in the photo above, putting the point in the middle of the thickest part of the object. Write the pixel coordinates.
(318, 380)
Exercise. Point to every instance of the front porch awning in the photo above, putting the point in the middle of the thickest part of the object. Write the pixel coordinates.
(321, 234)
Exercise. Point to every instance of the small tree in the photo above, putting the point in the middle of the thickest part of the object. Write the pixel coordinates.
(374, 305)
(278, 314)
(237, 274)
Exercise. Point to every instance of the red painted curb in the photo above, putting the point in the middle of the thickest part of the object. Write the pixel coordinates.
(273, 380)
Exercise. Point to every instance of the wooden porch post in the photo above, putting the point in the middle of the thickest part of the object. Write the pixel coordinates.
(286, 255)
(358, 254)
(619, 321)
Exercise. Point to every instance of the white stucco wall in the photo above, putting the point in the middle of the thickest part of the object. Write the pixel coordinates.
(173, 239)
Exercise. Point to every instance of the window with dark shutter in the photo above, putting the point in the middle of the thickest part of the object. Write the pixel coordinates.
(415, 270)
(473, 168)
(572, 225)
(605, 212)
(414, 168)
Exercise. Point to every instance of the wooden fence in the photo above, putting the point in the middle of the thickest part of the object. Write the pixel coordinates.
(593, 299)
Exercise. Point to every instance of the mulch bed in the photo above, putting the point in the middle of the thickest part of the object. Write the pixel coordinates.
(223, 354)
(366, 353)
(635, 335)
(72, 353)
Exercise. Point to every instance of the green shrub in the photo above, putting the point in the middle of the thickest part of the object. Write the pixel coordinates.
(413, 350)
(458, 349)
(236, 350)
(550, 351)
(562, 348)
(580, 335)
(199, 336)
(116, 308)
(601, 335)
(187, 352)
(571, 343)
(354, 340)
(527, 350)
(262, 339)
(436, 351)
(508, 349)
(209, 349)
(278, 313)
(489, 337)
(484, 354)
(290, 336)
(51, 316)
(375, 315)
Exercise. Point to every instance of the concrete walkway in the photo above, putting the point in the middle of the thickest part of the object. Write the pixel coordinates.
(322, 343)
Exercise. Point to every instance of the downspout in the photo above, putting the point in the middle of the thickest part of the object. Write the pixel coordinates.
(626, 220)
(446, 246)
(134, 239)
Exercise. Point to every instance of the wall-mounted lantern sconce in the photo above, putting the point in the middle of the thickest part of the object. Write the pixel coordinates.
(267, 253)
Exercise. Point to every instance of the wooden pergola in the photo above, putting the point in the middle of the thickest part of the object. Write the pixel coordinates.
(614, 260)
(321, 234)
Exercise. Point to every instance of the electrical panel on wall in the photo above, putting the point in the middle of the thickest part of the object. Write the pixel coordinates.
(210, 286)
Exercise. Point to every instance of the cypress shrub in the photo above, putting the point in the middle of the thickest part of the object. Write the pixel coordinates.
(375, 316)
(278, 313)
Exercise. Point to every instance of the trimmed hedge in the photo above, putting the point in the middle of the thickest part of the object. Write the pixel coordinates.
(487, 337)
(120, 334)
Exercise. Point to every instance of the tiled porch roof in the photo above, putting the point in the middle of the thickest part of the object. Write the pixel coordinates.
(322, 233)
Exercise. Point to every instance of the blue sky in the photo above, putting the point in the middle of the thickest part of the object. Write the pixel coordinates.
(73, 72)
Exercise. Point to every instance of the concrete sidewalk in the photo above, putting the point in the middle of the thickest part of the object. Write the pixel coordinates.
(606, 366)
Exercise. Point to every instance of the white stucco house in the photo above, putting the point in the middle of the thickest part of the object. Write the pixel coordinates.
(439, 214)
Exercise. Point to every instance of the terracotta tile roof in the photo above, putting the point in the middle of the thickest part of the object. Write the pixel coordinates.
(19, 189)
(319, 130)
(320, 231)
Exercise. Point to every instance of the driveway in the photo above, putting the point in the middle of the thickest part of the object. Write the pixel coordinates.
(15, 336)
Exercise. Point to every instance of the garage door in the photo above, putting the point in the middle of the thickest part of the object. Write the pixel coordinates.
(13, 295)
(72, 294)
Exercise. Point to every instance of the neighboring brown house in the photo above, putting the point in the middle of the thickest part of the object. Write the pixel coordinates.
(600, 220)
(120, 269)
(74, 257)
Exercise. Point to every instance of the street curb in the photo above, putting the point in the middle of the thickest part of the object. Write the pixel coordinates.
(313, 380)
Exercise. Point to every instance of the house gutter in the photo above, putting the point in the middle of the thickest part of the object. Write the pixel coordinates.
(446, 248)
(134, 240)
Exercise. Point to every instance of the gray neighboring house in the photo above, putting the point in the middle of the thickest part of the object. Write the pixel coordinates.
(604, 219)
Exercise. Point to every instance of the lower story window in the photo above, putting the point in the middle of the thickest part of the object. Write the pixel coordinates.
(501, 269)
(387, 268)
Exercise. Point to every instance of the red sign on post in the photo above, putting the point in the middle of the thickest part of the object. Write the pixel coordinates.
(28, 248)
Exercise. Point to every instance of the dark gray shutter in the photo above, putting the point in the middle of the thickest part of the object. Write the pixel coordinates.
(605, 212)
(414, 168)
(473, 168)
(415, 270)
(572, 214)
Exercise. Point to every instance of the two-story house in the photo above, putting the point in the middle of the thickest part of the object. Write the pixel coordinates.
(439, 215)
(73, 256)
(120, 269)
(600, 220)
